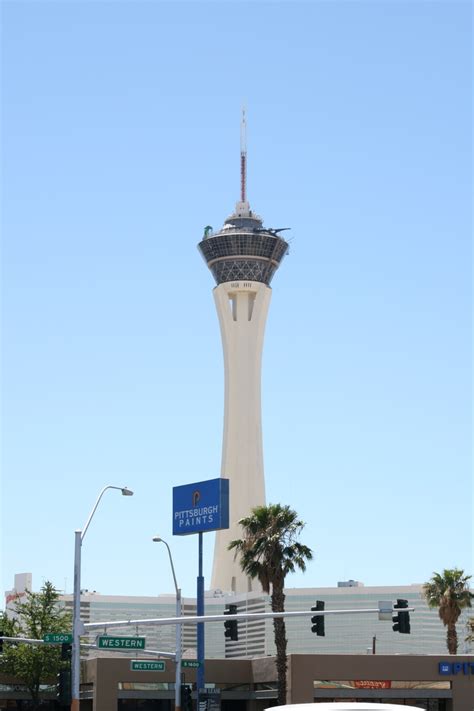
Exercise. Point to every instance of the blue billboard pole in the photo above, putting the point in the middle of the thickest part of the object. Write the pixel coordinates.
(197, 508)
(200, 676)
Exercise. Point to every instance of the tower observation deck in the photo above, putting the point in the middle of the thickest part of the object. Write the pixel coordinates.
(243, 257)
(243, 249)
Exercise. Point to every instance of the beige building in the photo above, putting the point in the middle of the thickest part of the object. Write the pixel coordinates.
(250, 685)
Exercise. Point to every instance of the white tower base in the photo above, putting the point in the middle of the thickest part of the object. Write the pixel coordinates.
(242, 308)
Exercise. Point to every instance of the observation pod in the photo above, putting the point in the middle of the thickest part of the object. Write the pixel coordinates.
(243, 257)
(243, 250)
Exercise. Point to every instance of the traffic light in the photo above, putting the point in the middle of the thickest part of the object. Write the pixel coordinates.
(66, 652)
(63, 687)
(231, 625)
(186, 698)
(402, 619)
(318, 620)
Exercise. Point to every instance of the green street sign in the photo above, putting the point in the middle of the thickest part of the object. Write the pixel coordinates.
(57, 638)
(147, 666)
(190, 664)
(106, 642)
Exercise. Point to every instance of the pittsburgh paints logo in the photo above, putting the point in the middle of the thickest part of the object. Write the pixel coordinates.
(456, 668)
(195, 516)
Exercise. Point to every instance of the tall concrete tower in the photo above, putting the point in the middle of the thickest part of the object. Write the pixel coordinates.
(243, 256)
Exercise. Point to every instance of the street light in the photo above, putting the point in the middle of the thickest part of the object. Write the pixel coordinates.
(177, 696)
(77, 625)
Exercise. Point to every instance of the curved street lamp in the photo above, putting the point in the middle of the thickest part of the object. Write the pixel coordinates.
(77, 626)
(177, 696)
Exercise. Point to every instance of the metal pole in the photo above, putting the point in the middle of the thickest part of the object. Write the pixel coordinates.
(76, 619)
(196, 619)
(77, 625)
(177, 692)
(374, 641)
(200, 627)
(177, 696)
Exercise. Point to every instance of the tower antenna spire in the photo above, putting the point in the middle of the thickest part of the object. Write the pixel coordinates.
(243, 157)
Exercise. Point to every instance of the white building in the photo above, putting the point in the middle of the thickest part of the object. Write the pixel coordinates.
(344, 634)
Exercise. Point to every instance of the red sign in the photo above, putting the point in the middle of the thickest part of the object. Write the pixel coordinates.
(13, 596)
(363, 684)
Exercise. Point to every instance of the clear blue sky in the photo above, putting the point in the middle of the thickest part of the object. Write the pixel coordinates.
(120, 143)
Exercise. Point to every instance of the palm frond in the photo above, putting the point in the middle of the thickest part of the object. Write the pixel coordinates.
(269, 549)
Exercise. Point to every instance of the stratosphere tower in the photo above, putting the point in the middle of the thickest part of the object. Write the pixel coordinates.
(243, 257)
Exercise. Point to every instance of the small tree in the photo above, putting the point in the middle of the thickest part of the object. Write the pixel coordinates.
(8, 625)
(38, 615)
(269, 551)
(450, 593)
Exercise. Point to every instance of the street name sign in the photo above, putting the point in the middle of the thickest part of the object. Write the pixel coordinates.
(147, 666)
(106, 642)
(190, 664)
(57, 638)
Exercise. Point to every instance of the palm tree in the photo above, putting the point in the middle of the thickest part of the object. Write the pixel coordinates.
(470, 630)
(269, 551)
(450, 593)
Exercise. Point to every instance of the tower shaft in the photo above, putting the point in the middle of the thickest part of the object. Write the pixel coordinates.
(242, 308)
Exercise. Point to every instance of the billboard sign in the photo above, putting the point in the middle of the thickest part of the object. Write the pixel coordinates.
(209, 699)
(201, 507)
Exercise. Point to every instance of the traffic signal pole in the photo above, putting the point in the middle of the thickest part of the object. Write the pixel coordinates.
(199, 619)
